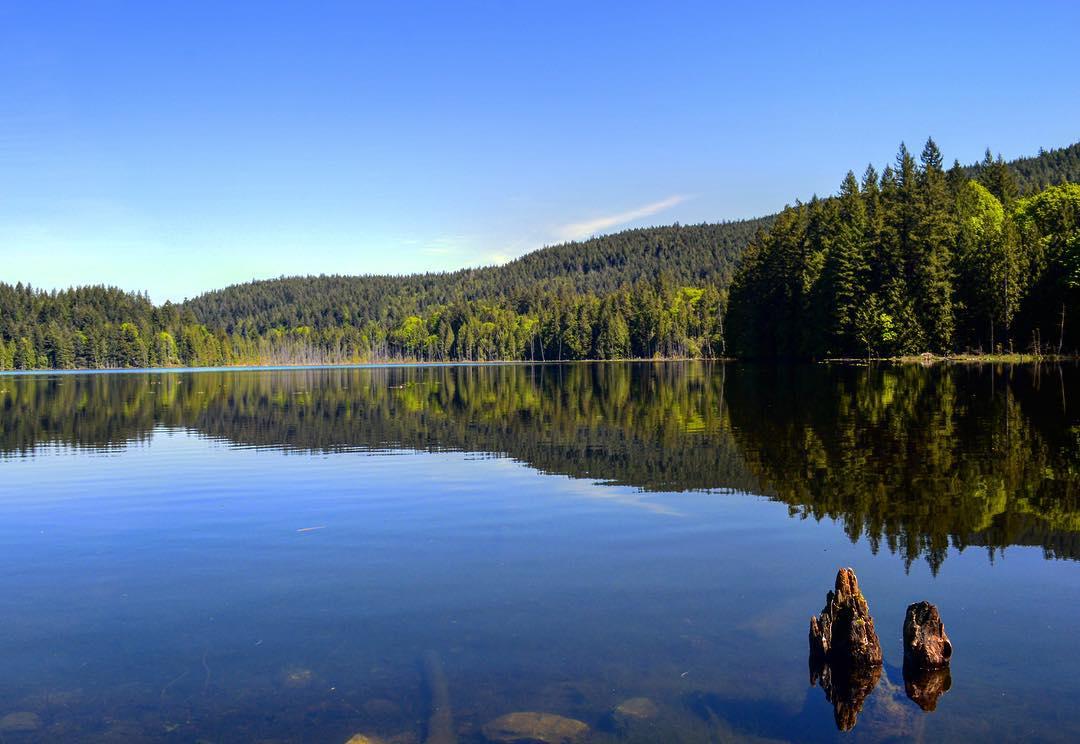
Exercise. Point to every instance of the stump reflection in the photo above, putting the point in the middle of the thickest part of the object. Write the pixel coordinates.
(845, 687)
(925, 686)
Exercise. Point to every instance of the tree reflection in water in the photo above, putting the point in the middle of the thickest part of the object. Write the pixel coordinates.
(911, 458)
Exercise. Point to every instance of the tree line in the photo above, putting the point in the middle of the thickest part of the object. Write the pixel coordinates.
(95, 327)
(916, 259)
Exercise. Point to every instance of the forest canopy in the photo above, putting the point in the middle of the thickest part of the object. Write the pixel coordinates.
(916, 258)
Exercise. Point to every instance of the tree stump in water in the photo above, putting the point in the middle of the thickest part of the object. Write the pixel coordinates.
(844, 635)
(925, 644)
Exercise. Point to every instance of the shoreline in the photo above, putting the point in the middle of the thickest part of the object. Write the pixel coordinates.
(355, 365)
(922, 359)
(930, 359)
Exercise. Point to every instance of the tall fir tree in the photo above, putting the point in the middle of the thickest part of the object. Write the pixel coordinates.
(995, 175)
(846, 267)
(933, 236)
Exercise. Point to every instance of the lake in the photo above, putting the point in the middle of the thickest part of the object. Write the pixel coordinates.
(310, 554)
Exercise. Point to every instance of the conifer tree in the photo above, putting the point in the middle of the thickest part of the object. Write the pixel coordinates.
(994, 174)
(932, 251)
(846, 268)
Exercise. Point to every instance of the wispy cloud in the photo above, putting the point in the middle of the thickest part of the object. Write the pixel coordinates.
(579, 230)
(443, 246)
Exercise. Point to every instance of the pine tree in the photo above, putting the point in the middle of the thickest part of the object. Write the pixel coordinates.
(933, 237)
(956, 178)
(995, 175)
(846, 268)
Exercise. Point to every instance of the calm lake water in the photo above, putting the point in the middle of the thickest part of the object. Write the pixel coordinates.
(303, 555)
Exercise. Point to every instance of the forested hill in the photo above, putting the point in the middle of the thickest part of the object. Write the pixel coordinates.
(693, 255)
(918, 258)
(1035, 173)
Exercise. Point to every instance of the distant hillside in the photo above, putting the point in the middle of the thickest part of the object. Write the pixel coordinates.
(643, 293)
(1035, 173)
(690, 254)
(685, 254)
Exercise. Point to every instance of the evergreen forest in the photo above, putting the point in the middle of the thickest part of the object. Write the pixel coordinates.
(918, 258)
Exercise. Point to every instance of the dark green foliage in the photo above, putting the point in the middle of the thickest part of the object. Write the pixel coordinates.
(998, 179)
(919, 260)
(639, 293)
(892, 265)
(846, 266)
(693, 255)
(1048, 168)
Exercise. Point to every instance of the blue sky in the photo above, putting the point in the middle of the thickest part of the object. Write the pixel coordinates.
(177, 147)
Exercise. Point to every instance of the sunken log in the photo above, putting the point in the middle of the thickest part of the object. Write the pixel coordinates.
(844, 635)
(440, 727)
(925, 644)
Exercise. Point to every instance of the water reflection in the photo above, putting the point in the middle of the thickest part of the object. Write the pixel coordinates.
(845, 687)
(926, 686)
(222, 575)
(909, 458)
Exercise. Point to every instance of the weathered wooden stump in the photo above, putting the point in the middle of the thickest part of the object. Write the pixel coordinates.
(845, 653)
(843, 634)
(926, 646)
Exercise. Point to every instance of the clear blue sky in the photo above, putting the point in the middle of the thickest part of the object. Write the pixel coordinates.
(180, 146)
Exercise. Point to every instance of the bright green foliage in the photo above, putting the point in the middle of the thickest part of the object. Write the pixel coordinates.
(1049, 231)
(989, 277)
(165, 352)
(410, 336)
(128, 347)
(907, 261)
(25, 357)
(921, 262)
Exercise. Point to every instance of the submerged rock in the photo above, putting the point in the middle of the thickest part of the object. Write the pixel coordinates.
(640, 708)
(21, 721)
(925, 644)
(523, 728)
(630, 714)
(364, 739)
(925, 686)
(844, 632)
(297, 677)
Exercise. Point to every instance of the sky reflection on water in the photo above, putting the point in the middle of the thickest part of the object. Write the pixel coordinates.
(163, 580)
